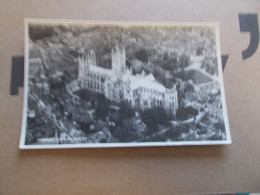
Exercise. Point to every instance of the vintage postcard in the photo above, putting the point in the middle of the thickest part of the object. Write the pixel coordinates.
(122, 84)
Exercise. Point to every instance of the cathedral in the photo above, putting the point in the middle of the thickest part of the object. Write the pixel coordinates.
(141, 91)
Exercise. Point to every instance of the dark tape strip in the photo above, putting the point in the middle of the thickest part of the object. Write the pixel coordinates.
(249, 23)
(224, 59)
(17, 75)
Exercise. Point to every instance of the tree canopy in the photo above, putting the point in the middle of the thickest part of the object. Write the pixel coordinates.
(154, 116)
(141, 55)
(210, 65)
(185, 113)
(189, 87)
(102, 107)
(184, 61)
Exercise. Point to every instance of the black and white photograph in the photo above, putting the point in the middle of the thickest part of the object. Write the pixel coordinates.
(122, 84)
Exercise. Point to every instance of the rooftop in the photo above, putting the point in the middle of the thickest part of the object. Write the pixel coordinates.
(136, 81)
(101, 70)
(147, 82)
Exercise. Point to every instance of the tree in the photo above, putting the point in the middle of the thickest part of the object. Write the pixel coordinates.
(101, 111)
(141, 55)
(220, 126)
(184, 61)
(154, 116)
(102, 107)
(169, 63)
(173, 133)
(84, 126)
(216, 137)
(210, 65)
(125, 134)
(126, 110)
(173, 64)
(189, 87)
(181, 114)
(165, 56)
(186, 113)
(150, 118)
(83, 94)
(199, 50)
(30, 137)
(162, 117)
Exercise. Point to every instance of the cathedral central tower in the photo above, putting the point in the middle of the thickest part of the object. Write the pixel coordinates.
(118, 60)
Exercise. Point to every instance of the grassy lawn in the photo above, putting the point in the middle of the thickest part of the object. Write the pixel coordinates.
(196, 76)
